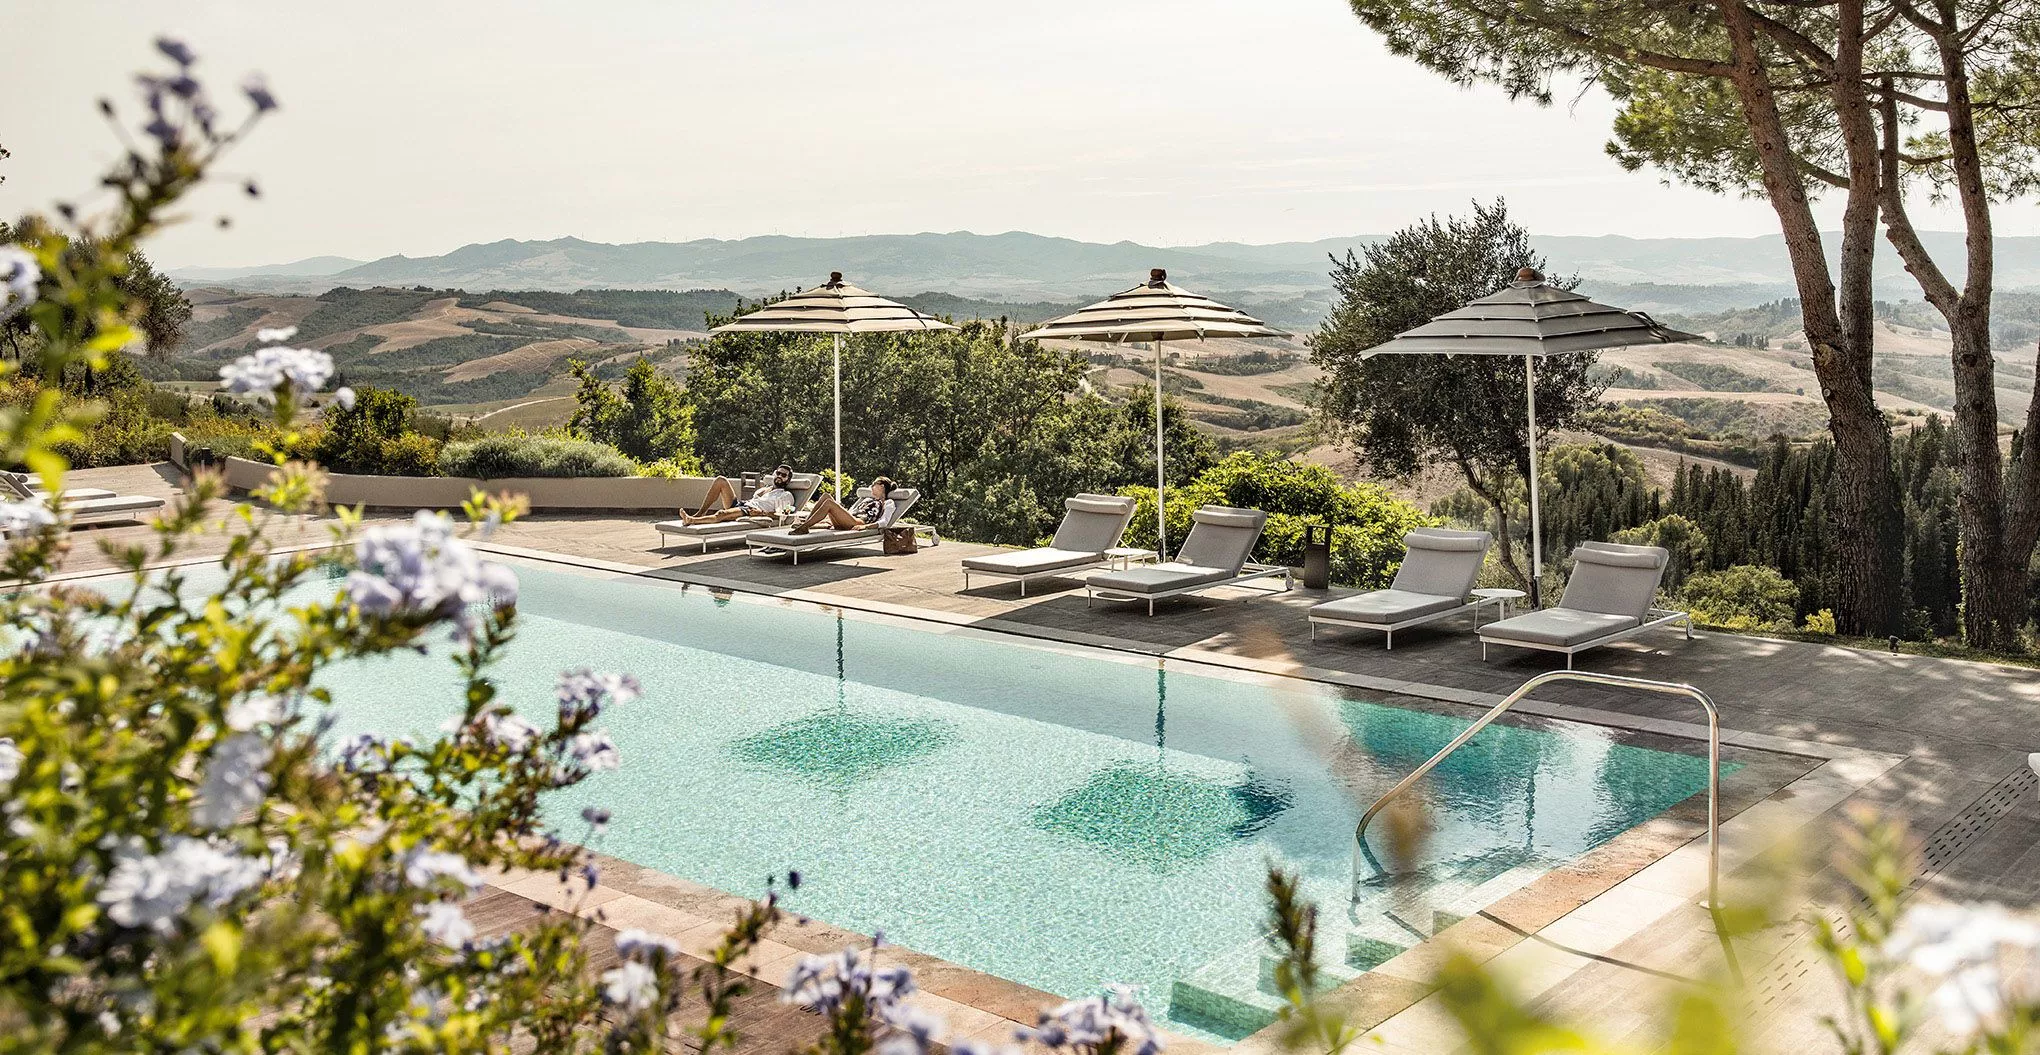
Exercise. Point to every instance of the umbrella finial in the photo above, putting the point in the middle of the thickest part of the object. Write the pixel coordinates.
(1158, 276)
(1529, 276)
(835, 278)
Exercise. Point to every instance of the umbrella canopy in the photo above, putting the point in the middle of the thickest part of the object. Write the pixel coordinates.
(1532, 319)
(1154, 312)
(1529, 317)
(834, 308)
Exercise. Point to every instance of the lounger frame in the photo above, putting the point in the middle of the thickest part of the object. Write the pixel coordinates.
(744, 526)
(824, 544)
(1248, 573)
(1023, 577)
(1653, 618)
(1389, 629)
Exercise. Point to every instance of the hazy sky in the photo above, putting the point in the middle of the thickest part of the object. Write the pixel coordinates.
(417, 127)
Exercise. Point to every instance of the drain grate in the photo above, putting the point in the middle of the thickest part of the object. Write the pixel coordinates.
(1955, 838)
(1789, 972)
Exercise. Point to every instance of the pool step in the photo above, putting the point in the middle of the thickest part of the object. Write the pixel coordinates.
(1234, 994)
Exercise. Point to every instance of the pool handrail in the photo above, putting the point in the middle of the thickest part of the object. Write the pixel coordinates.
(1670, 688)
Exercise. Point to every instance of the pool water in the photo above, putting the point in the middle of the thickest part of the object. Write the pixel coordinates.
(1061, 818)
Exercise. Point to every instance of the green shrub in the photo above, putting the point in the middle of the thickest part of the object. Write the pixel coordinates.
(1679, 536)
(1821, 622)
(518, 454)
(1368, 523)
(1751, 597)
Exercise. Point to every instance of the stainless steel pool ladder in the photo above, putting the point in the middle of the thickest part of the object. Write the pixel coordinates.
(1670, 688)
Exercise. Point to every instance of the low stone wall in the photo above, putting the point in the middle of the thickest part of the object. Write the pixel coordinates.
(625, 493)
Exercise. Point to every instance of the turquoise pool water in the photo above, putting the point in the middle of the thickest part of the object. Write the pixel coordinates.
(1063, 819)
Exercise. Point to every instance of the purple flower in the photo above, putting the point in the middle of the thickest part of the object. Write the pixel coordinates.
(581, 691)
(594, 751)
(24, 516)
(825, 982)
(19, 277)
(425, 868)
(271, 368)
(153, 891)
(645, 946)
(258, 93)
(1091, 1023)
(446, 924)
(420, 569)
(597, 818)
(176, 51)
(633, 986)
(236, 780)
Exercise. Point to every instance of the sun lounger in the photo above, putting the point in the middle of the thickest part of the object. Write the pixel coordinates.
(1607, 598)
(118, 509)
(803, 487)
(1438, 568)
(1091, 524)
(1215, 554)
(777, 541)
(21, 487)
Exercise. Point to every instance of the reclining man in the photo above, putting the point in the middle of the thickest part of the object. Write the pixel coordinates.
(772, 499)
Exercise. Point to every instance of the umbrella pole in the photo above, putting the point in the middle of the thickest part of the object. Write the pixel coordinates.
(1536, 536)
(1161, 478)
(836, 361)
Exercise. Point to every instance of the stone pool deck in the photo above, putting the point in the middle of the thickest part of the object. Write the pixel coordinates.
(1940, 744)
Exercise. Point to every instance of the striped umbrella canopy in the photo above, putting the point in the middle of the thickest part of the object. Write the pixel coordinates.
(1154, 312)
(835, 308)
(1533, 319)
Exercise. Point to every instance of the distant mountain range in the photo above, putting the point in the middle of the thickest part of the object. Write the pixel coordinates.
(1657, 273)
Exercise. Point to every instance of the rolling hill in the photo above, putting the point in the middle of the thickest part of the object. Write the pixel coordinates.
(1022, 267)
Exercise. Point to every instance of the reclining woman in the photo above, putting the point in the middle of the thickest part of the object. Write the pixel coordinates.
(877, 508)
(770, 500)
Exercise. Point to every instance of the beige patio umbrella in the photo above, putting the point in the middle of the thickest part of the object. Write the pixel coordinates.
(1533, 319)
(1154, 312)
(834, 308)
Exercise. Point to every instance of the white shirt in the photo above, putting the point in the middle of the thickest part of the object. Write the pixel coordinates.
(770, 499)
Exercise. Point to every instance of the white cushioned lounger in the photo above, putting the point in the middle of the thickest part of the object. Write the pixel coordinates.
(1438, 568)
(1607, 598)
(783, 540)
(1215, 554)
(25, 486)
(803, 487)
(1091, 524)
(116, 510)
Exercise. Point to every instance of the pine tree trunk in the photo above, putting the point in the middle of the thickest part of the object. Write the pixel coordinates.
(1993, 571)
(1864, 493)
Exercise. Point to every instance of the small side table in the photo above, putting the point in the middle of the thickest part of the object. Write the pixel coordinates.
(1499, 596)
(1126, 557)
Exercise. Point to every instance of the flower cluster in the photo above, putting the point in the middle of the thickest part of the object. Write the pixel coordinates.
(19, 275)
(634, 984)
(159, 92)
(10, 760)
(424, 869)
(1964, 947)
(420, 569)
(581, 692)
(236, 780)
(154, 890)
(25, 516)
(1094, 1023)
(270, 369)
(825, 983)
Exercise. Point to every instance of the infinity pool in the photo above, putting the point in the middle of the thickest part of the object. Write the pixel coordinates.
(1062, 818)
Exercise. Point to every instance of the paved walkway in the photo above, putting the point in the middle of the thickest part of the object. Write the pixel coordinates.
(1959, 730)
